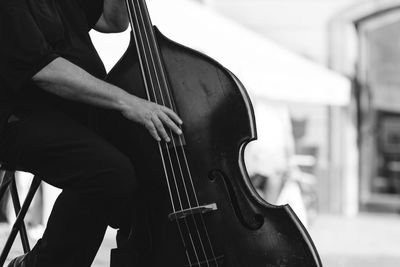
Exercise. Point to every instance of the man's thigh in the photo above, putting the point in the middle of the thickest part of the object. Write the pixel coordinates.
(58, 148)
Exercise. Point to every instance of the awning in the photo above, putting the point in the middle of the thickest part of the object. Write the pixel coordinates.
(266, 69)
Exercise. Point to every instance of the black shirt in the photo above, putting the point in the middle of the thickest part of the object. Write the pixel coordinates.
(32, 34)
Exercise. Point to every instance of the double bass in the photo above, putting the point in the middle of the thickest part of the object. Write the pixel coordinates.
(196, 205)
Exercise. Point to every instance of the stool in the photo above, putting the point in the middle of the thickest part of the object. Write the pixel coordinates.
(7, 179)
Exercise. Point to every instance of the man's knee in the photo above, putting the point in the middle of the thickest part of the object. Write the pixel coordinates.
(122, 181)
(110, 174)
(119, 186)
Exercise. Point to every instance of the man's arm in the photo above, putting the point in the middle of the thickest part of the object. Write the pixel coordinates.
(114, 17)
(69, 81)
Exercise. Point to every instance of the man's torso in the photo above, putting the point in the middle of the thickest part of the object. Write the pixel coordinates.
(64, 25)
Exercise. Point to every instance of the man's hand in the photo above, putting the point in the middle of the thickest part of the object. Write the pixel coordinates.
(152, 116)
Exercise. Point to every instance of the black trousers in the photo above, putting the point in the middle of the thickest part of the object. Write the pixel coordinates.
(98, 183)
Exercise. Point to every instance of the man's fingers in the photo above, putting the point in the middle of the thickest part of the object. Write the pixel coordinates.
(152, 130)
(167, 121)
(157, 117)
(172, 114)
(160, 128)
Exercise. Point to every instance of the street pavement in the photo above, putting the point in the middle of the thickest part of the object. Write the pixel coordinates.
(368, 240)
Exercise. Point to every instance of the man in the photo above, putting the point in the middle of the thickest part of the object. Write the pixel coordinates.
(50, 75)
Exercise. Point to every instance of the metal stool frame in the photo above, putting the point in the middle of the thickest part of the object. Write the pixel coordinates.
(7, 180)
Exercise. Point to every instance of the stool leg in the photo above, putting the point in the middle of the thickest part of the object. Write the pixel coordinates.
(5, 181)
(17, 208)
(19, 220)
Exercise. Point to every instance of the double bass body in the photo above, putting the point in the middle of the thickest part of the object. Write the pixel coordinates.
(226, 223)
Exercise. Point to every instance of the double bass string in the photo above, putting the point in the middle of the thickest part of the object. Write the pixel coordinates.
(180, 139)
(174, 145)
(159, 146)
(169, 155)
(174, 177)
(169, 98)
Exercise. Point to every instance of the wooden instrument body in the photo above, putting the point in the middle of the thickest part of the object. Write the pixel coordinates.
(218, 123)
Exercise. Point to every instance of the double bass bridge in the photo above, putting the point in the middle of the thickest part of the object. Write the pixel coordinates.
(192, 211)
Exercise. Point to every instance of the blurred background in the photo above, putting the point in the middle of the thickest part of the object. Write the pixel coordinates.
(323, 76)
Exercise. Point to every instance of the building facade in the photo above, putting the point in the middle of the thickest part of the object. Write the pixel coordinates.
(371, 28)
(359, 39)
